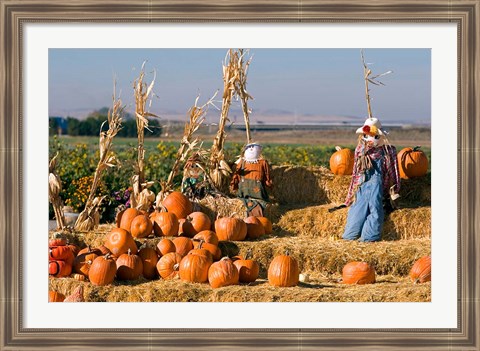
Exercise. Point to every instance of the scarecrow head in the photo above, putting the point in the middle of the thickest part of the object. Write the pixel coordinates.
(372, 132)
(252, 152)
(192, 167)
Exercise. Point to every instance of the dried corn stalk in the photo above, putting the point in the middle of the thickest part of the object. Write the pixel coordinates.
(241, 89)
(89, 218)
(54, 189)
(142, 94)
(196, 116)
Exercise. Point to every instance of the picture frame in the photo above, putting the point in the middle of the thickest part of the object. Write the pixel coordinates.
(16, 14)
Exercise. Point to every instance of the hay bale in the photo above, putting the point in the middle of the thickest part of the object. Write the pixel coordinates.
(316, 221)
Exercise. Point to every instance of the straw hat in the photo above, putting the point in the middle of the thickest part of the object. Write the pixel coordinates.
(371, 126)
(252, 144)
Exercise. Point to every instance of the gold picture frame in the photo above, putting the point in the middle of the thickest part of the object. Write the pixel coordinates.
(15, 14)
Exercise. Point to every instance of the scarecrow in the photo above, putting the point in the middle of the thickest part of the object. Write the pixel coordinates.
(194, 183)
(375, 183)
(251, 179)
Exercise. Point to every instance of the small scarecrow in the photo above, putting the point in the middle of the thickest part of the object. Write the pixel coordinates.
(375, 183)
(251, 179)
(194, 183)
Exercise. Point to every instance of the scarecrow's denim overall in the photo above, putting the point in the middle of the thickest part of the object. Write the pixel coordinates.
(365, 217)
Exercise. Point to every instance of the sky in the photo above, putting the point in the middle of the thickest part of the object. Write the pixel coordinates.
(299, 85)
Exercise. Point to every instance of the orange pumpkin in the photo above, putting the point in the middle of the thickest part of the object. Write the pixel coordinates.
(208, 236)
(358, 273)
(179, 204)
(165, 246)
(183, 245)
(194, 223)
(194, 268)
(267, 224)
(412, 163)
(59, 269)
(168, 265)
(230, 229)
(223, 273)
(119, 240)
(164, 223)
(248, 270)
(57, 239)
(141, 226)
(341, 161)
(283, 271)
(213, 249)
(102, 271)
(255, 228)
(421, 270)
(129, 266)
(83, 261)
(127, 217)
(149, 259)
(55, 296)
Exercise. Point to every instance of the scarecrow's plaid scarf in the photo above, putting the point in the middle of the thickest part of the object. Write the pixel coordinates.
(389, 169)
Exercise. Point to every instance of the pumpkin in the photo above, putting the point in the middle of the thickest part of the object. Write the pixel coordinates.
(119, 240)
(223, 273)
(213, 249)
(164, 223)
(55, 296)
(421, 270)
(255, 228)
(79, 277)
(74, 248)
(62, 253)
(127, 217)
(118, 218)
(412, 163)
(165, 246)
(358, 273)
(76, 296)
(248, 269)
(203, 252)
(59, 269)
(341, 161)
(208, 236)
(103, 250)
(169, 265)
(182, 245)
(141, 226)
(102, 271)
(194, 268)
(82, 263)
(283, 271)
(57, 239)
(230, 229)
(90, 249)
(129, 266)
(179, 204)
(149, 259)
(195, 223)
(267, 224)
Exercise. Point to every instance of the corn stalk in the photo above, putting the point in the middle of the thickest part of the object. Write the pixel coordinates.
(241, 89)
(142, 94)
(54, 189)
(89, 218)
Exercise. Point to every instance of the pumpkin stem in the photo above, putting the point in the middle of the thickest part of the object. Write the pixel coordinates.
(338, 148)
(129, 252)
(416, 148)
(176, 266)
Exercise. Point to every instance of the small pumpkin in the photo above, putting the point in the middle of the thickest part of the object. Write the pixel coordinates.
(194, 223)
(283, 271)
(59, 269)
(141, 226)
(149, 259)
(165, 246)
(213, 249)
(168, 265)
(248, 269)
(83, 262)
(421, 270)
(207, 236)
(255, 228)
(60, 253)
(57, 239)
(194, 268)
(183, 245)
(341, 161)
(164, 223)
(412, 163)
(267, 224)
(230, 229)
(55, 296)
(358, 273)
(119, 241)
(102, 271)
(177, 203)
(129, 266)
(223, 273)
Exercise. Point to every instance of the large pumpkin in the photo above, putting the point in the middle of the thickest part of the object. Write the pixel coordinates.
(126, 217)
(230, 229)
(129, 266)
(149, 259)
(179, 204)
(194, 223)
(83, 261)
(168, 265)
(341, 162)
(208, 236)
(412, 163)
(183, 245)
(194, 268)
(255, 228)
(164, 223)
(141, 226)
(223, 273)
(118, 241)
(59, 269)
(213, 249)
(358, 273)
(267, 224)
(248, 270)
(283, 271)
(165, 246)
(102, 271)
(421, 270)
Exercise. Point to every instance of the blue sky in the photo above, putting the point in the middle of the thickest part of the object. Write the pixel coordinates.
(315, 82)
